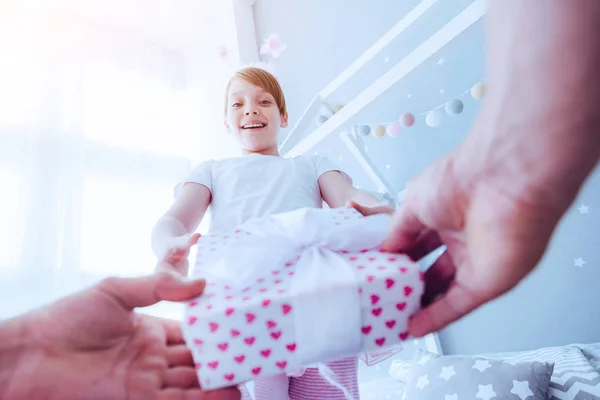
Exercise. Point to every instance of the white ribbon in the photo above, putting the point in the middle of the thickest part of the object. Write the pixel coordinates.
(325, 299)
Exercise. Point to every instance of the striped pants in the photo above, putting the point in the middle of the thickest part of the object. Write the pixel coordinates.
(309, 386)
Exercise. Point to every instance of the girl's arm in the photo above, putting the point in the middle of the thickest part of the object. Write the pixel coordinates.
(181, 219)
(338, 192)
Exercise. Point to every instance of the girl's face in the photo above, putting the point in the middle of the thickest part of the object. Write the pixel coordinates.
(253, 116)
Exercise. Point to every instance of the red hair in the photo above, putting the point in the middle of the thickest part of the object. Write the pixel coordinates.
(264, 80)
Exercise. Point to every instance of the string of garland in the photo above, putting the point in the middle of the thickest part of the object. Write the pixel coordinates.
(433, 117)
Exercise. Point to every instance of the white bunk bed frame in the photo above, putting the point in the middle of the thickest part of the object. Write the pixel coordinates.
(294, 144)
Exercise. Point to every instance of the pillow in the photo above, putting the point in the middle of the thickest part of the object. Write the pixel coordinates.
(462, 377)
(574, 376)
(400, 370)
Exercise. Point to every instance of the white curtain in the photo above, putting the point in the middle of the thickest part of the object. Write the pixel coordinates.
(96, 127)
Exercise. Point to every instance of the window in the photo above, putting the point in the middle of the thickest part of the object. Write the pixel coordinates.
(93, 137)
(136, 128)
(13, 211)
(126, 108)
(21, 73)
(117, 218)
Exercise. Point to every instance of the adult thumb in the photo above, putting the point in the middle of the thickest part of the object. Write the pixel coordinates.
(453, 305)
(148, 290)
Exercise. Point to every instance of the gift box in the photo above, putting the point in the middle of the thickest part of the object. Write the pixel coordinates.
(294, 289)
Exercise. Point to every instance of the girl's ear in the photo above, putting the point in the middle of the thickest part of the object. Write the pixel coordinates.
(284, 121)
(226, 125)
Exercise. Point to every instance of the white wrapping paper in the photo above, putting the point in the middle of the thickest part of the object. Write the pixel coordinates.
(296, 289)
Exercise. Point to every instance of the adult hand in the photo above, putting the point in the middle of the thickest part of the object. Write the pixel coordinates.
(494, 229)
(496, 200)
(92, 345)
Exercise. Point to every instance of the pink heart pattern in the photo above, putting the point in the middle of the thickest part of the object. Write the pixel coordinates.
(239, 359)
(250, 317)
(265, 353)
(213, 327)
(271, 324)
(374, 299)
(276, 335)
(213, 364)
(248, 331)
(286, 308)
(291, 347)
(223, 346)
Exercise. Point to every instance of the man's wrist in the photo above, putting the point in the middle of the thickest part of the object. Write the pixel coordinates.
(538, 131)
(539, 162)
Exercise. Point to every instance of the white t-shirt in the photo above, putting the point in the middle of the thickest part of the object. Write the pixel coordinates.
(255, 185)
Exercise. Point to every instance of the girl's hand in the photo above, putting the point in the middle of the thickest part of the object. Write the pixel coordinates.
(366, 211)
(176, 254)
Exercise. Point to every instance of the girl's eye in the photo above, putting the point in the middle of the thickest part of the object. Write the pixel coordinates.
(235, 105)
(265, 102)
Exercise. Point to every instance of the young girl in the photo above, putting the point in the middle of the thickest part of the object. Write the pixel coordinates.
(257, 184)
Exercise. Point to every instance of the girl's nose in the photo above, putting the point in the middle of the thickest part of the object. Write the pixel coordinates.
(253, 112)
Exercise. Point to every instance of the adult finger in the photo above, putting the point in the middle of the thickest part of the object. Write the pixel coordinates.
(179, 355)
(181, 394)
(199, 394)
(456, 303)
(181, 377)
(173, 330)
(442, 269)
(406, 229)
(438, 279)
(427, 242)
(171, 327)
(223, 394)
(151, 289)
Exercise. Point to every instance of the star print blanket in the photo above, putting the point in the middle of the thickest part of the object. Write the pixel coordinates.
(295, 289)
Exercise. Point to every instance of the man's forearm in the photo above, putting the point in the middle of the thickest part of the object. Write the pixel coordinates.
(541, 121)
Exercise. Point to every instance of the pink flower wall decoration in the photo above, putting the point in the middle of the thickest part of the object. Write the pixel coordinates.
(223, 51)
(273, 46)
